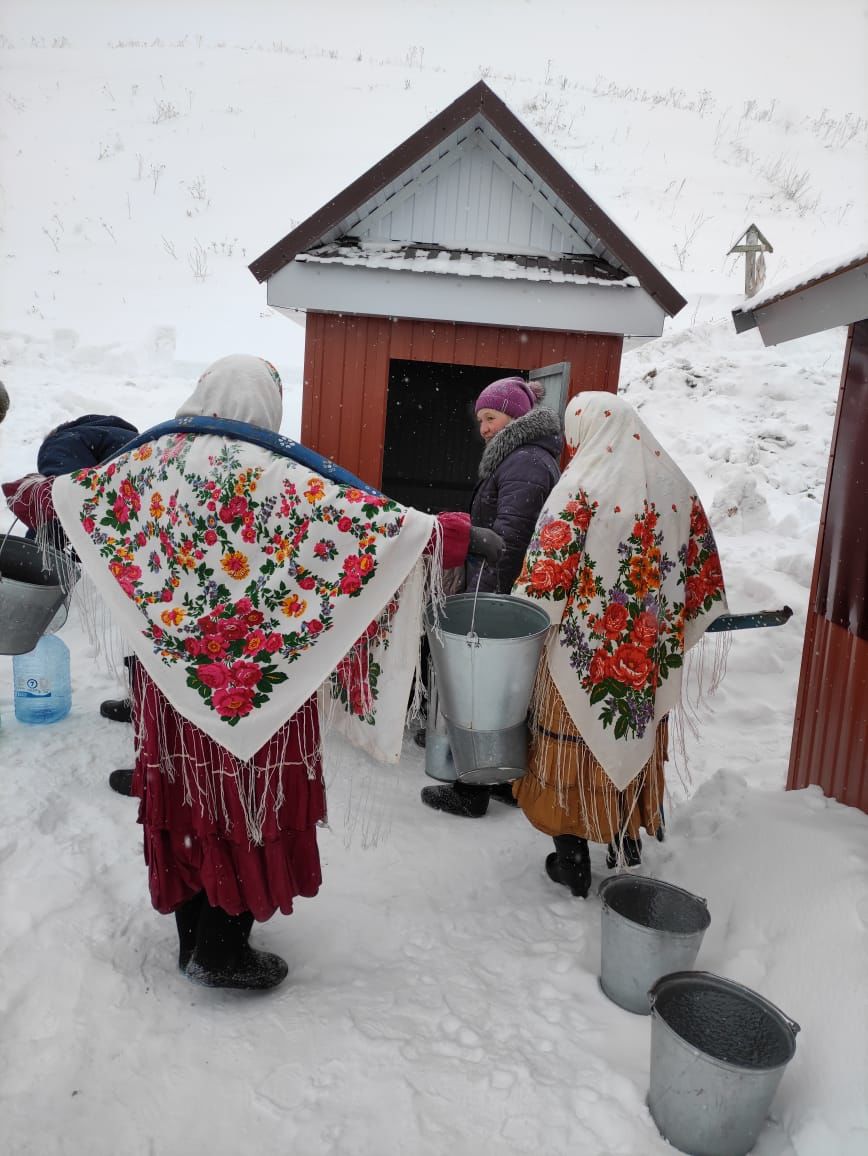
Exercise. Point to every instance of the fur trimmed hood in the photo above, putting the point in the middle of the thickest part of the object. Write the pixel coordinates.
(541, 426)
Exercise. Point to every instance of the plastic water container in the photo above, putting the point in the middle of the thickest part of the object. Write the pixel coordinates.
(43, 693)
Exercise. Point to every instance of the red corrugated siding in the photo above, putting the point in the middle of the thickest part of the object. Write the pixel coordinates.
(830, 737)
(346, 372)
(830, 733)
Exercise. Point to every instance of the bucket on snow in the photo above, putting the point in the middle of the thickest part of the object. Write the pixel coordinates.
(485, 649)
(718, 1051)
(649, 928)
(33, 585)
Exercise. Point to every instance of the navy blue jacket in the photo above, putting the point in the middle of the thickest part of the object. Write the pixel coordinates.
(519, 468)
(87, 441)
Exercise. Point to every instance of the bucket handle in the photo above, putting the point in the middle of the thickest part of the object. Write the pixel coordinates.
(15, 522)
(472, 638)
(652, 999)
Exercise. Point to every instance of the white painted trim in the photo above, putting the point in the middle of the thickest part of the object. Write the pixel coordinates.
(424, 178)
(841, 300)
(482, 301)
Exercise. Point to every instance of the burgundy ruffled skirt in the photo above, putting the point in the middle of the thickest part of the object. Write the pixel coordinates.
(191, 845)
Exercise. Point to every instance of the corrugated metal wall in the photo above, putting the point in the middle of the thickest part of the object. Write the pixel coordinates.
(830, 734)
(346, 372)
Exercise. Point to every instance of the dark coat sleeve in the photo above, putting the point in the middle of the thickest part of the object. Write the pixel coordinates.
(521, 494)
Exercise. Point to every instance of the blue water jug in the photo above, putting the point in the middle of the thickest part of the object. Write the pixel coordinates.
(42, 687)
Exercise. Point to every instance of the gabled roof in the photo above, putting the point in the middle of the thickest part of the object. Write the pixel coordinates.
(830, 294)
(478, 102)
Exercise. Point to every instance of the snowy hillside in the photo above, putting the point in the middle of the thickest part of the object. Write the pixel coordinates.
(443, 994)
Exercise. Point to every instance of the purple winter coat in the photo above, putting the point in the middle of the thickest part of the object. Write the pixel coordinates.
(518, 470)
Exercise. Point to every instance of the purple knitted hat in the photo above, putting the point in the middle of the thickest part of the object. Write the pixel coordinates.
(510, 395)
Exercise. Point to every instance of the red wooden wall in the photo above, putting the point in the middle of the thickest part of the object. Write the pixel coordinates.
(830, 734)
(346, 372)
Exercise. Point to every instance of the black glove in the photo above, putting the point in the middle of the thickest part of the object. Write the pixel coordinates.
(485, 544)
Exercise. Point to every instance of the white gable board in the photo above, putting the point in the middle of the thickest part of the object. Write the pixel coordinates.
(472, 197)
(473, 192)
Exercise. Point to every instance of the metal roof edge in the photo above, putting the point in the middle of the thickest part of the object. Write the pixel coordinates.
(743, 321)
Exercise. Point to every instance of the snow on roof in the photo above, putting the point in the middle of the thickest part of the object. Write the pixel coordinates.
(818, 272)
(466, 263)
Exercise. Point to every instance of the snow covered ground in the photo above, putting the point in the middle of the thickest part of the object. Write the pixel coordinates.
(443, 993)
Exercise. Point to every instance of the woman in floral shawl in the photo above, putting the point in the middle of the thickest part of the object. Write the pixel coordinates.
(624, 561)
(242, 578)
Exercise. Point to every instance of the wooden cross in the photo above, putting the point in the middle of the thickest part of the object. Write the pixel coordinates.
(754, 245)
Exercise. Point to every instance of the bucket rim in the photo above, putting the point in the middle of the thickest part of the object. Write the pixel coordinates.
(733, 988)
(660, 884)
(433, 620)
(56, 557)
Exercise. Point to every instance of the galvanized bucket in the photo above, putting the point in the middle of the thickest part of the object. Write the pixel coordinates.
(718, 1051)
(485, 649)
(33, 586)
(649, 928)
(439, 763)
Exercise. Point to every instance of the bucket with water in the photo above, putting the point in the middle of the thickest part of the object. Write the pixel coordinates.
(718, 1052)
(485, 649)
(439, 763)
(649, 928)
(34, 582)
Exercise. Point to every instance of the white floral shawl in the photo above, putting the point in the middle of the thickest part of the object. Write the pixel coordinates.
(624, 561)
(240, 578)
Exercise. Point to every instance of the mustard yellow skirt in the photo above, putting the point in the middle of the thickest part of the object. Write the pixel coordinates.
(567, 792)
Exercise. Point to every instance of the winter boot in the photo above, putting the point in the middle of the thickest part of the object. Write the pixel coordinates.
(457, 799)
(122, 781)
(117, 709)
(661, 830)
(570, 864)
(222, 956)
(630, 852)
(503, 793)
(187, 920)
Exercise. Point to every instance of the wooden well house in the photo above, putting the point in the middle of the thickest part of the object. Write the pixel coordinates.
(467, 254)
(830, 732)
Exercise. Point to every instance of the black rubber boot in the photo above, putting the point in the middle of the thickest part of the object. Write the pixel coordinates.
(457, 799)
(630, 848)
(187, 921)
(503, 793)
(222, 956)
(117, 709)
(121, 781)
(661, 830)
(570, 864)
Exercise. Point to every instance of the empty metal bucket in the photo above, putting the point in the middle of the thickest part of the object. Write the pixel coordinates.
(718, 1051)
(33, 585)
(485, 649)
(649, 928)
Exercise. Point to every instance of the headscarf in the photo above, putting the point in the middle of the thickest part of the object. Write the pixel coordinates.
(624, 561)
(239, 577)
(239, 388)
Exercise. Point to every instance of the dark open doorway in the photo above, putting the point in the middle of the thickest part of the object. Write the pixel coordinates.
(433, 448)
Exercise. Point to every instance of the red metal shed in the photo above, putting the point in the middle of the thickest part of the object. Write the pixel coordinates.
(830, 734)
(468, 253)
